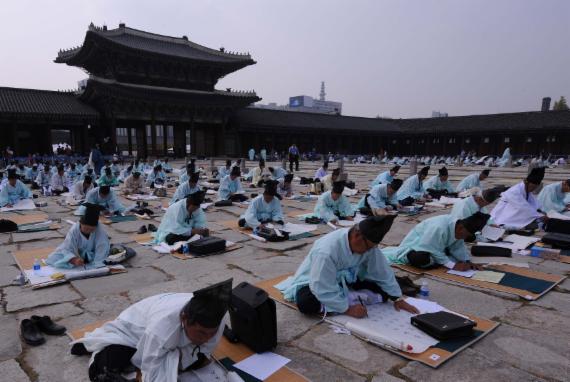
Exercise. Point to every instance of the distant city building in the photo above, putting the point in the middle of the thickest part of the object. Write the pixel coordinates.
(307, 104)
(438, 114)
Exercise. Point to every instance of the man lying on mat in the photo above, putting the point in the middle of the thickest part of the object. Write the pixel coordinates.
(343, 259)
(438, 241)
(163, 335)
(86, 245)
(182, 220)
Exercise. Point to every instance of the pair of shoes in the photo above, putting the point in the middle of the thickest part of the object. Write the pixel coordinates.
(152, 228)
(32, 329)
(79, 349)
(142, 230)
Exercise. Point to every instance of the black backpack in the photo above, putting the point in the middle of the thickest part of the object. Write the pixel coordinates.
(269, 234)
(206, 246)
(488, 250)
(254, 317)
(557, 240)
(444, 325)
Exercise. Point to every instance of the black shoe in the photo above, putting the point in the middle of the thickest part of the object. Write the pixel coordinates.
(30, 333)
(142, 230)
(46, 325)
(152, 228)
(109, 376)
(144, 204)
(79, 349)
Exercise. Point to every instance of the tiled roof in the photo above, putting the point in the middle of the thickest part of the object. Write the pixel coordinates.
(43, 103)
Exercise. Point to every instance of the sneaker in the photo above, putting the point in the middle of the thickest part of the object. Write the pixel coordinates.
(152, 228)
(142, 230)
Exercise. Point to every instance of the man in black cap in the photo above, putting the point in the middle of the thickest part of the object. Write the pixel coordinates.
(518, 208)
(13, 191)
(105, 197)
(438, 241)
(86, 245)
(476, 203)
(439, 184)
(224, 170)
(333, 205)
(386, 176)
(259, 175)
(82, 187)
(412, 190)
(472, 182)
(134, 183)
(381, 200)
(183, 220)
(329, 179)
(285, 186)
(187, 188)
(345, 260)
(263, 209)
(230, 186)
(162, 335)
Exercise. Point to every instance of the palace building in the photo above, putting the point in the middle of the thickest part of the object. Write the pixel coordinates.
(154, 95)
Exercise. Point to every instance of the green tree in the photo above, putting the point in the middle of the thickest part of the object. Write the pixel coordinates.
(561, 104)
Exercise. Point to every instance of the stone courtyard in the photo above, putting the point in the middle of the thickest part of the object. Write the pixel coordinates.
(532, 342)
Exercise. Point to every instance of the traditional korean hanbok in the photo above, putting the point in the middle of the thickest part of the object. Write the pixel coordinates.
(516, 208)
(469, 182)
(436, 236)
(184, 190)
(105, 180)
(258, 211)
(278, 173)
(467, 207)
(412, 187)
(93, 249)
(156, 176)
(228, 187)
(31, 174)
(110, 203)
(223, 171)
(435, 183)
(505, 158)
(382, 178)
(551, 198)
(178, 221)
(321, 172)
(11, 195)
(379, 198)
(79, 191)
(331, 266)
(43, 179)
(330, 210)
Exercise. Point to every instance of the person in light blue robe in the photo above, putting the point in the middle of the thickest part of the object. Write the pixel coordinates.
(139, 166)
(21, 171)
(115, 168)
(263, 154)
(505, 159)
(108, 178)
(188, 188)
(386, 176)
(277, 173)
(104, 197)
(251, 154)
(190, 169)
(552, 197)
(32, 173)
(224, 170)
(87, 171)
(166, 166)
(72, 174)
(439, 240)
(413, 189)
(265, 208)
(13, 191)
(472, 181)
(345, 258)
(44, 177)
(126, 173)
(333, 205)
(230, 185)
(382, 198)
(476, 203)
(86, 246)
(439, 182)
(156, 176)
(182, 220)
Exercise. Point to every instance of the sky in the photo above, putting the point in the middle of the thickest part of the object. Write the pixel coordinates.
(396, 59)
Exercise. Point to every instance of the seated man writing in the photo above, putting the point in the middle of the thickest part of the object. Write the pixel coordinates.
(224, 170)
(439, 184)
(518, 208)
(163, 336)
(412, 190)
(156, 177)
(381, 200)
(134, 184)
(13, 191)
(473, 182)
(230, 186)
(187, 188)
(386, 176)
(86, 245)
(551, 198)
(468, 206)
(108, 178)
(438, 241)
(263, 209)
(345, 259)
(333, 205)
(82, 187)
(285, 186)
(58, 182)
(329, 179)
(183, 220)
(104, 197)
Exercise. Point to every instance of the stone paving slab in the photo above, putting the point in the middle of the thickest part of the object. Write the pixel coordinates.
(11, 371)
(18, 298)
(10, 345)
(8, 274)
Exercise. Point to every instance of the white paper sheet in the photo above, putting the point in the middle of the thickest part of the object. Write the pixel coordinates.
(447, 200)
(349, 192)
(520, 242)
(298, 229)
(46, 271)
(557, 215)
(142, 197)
(492, 233)
(500, 261)
(261, 366)
(467, 274)
(21, 205)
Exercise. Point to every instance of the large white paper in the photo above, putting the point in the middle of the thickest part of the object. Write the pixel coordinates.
(46, 271)
(492, 233)
(261, 366)
(21, 205)
(520, 242)
(500, 261)
(467, 274)
(448, 200)
(349, 192)
(557, 215)
(298, 229)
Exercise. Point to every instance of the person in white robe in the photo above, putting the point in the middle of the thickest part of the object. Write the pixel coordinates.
(251, 154)
(381, 199)
(328, 180)
(72, 174)
(157, 176)
(126, 173)
(551, 197)
(412, 189)
(58, 182)
(134, 184)
(476, 203)
(333, 205)
(183, 220)
(82, 187)
(473, 182)
(224, 170)
(518, 208)
(439, 240)
(386, 176)
(44, 177)
(439, 184)
(187, 188)
(259, 175)
(340, 263)
(230, 185)
(32, 173)
(13, 191)
(86, 245)
(104, 197)
(263, 209)
(164, 336)
(322, 171)
(285, 186)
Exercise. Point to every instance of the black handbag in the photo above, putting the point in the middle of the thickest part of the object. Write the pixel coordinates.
(487, 250)
(557, 240)
(223, 203)
(253, 317)
(444, 325)
(207, 246)
(558, 226)
(270, 234)
(238, 198)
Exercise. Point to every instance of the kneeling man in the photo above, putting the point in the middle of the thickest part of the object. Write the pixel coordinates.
(183, 220)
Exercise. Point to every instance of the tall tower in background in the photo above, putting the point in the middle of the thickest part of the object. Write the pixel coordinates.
(322, 94)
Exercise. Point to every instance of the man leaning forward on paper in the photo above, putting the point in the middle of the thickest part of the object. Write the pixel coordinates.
(342, 260)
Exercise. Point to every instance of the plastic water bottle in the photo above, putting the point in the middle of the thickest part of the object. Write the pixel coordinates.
(37, 267)
(424, 290)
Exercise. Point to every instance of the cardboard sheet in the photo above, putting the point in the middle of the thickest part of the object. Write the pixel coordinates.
(25, 218)
(433, 357)
(21, 205)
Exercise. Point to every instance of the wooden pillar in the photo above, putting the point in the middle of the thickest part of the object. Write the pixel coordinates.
(14, 139)
(130, 142)
(192, 137)
(113, 134)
